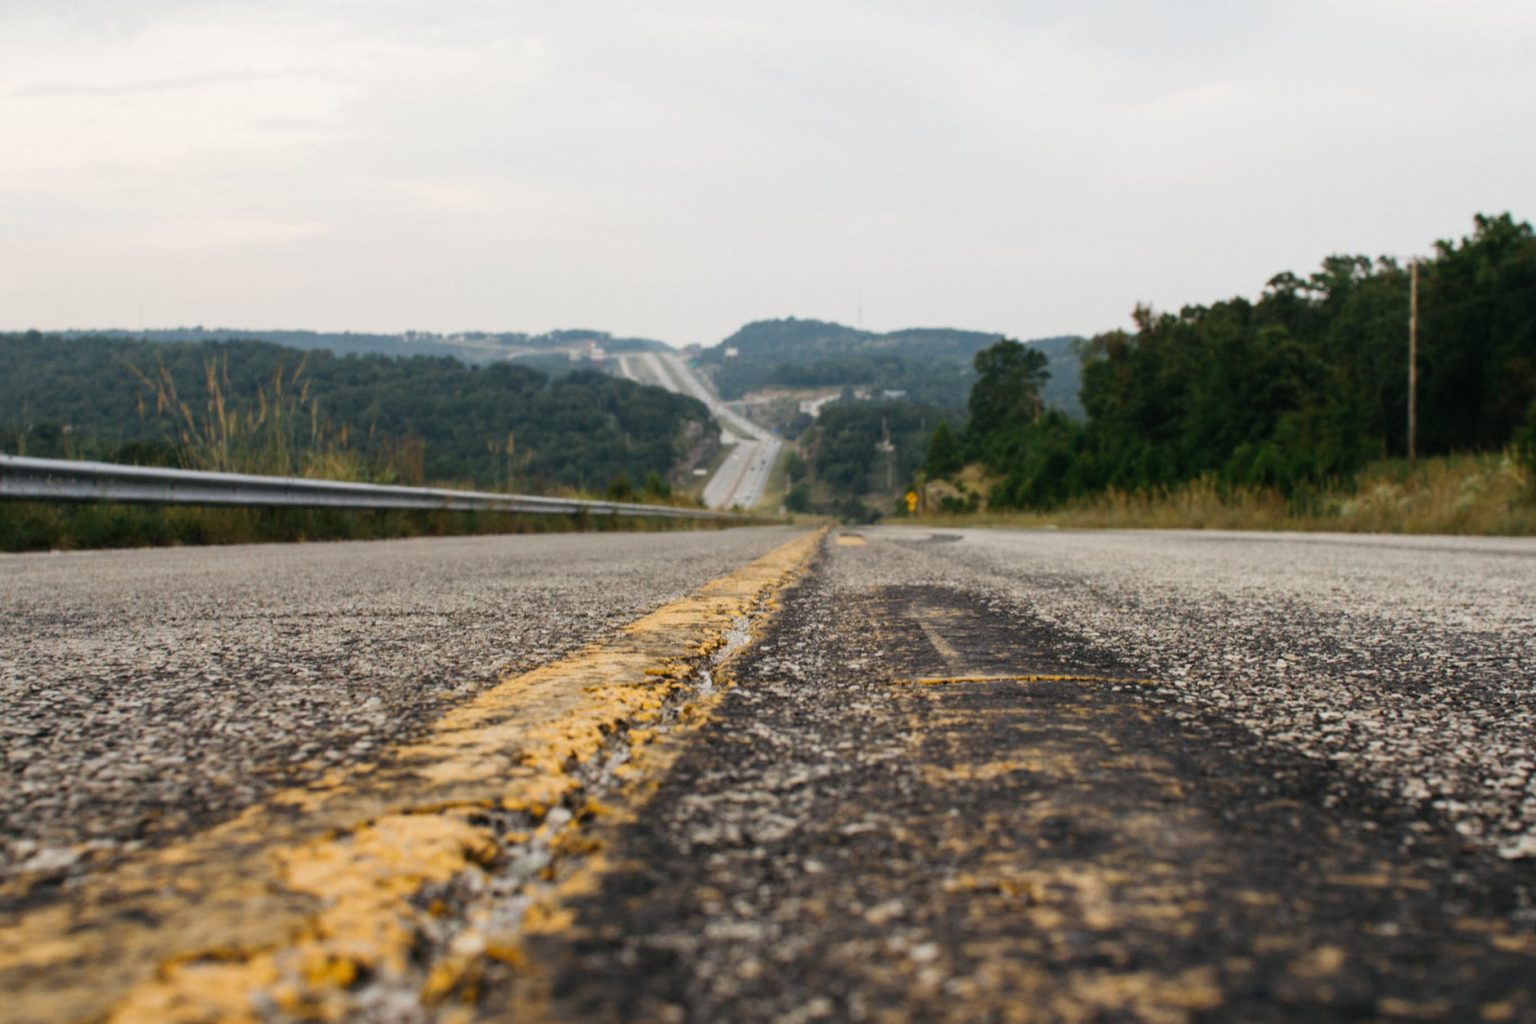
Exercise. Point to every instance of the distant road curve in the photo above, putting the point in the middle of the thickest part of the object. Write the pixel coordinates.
(743, 476)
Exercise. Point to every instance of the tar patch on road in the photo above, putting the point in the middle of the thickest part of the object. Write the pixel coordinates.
(839, 844)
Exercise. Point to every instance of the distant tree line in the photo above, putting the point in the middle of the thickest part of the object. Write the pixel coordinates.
(858, 449)
(430, 418)
(1301, 387)
(467, 346)
(929, 366)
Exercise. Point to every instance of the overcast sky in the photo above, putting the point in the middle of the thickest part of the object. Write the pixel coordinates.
(675, 169)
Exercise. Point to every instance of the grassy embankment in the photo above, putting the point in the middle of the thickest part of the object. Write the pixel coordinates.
(1462, 494)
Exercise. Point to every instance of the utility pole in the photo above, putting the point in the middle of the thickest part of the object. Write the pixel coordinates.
(1413, 360)
(889, 449)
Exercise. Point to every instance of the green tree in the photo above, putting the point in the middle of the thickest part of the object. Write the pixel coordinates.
(655, 486)
(945, 455)
(1006, 394)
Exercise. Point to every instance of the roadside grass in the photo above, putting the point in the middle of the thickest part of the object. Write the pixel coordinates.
(34, 526)
(1486, 494)
(280, 433)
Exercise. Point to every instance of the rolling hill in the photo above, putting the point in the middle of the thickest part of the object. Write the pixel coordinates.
(931, 365)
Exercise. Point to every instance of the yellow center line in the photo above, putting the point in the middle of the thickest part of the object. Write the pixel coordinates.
(300, 896)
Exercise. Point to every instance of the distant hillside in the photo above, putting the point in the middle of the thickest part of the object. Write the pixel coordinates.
(89, 397)
(932, 365)
(477, 347)
(1066, 380)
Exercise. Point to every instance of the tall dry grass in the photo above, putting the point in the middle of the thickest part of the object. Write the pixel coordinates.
(1488, 494)
(279, 433)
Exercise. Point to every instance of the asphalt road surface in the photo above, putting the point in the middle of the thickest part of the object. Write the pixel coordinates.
(1148, 777)
(954, 775)
(146, 693)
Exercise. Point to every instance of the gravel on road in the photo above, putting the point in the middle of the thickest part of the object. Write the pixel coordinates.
(147, 693)
(1408, 662)
(1075, 777)
(956, 775)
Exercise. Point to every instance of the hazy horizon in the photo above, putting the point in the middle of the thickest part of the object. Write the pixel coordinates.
(460, 332)
(675, 170)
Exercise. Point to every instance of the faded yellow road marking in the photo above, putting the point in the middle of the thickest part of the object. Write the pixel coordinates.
(1109, 889)
(1095, 837)
(953, 660)
(851, 540)
(960, 680)
(299, 897)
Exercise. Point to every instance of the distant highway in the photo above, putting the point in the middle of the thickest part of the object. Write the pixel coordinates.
(743, 476)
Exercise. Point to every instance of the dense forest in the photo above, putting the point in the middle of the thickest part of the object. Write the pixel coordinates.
(931, 365)
(1298, 388)
(857, 449)
(413, 419)
(469, 346)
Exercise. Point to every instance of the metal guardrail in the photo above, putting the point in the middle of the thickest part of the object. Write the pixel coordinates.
(27, 479)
